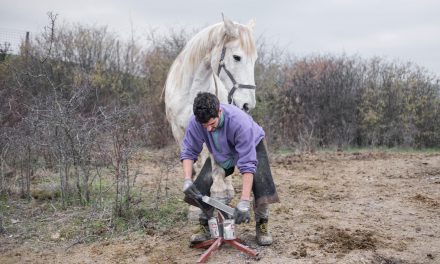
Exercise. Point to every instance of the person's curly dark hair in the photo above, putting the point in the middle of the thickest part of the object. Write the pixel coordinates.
(206, 106)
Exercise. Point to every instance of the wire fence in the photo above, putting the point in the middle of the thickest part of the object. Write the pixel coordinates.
(11, 40)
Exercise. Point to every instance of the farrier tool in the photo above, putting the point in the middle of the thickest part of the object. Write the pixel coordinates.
(224, 234)
(218, 205)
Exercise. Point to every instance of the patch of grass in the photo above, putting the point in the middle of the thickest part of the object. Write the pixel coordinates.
(121, 224)
(381, 149)
(284, 150)
(44, 217)
(46, 193)
(69, 231)
(414, 150)
(3, 197)
(164, 216)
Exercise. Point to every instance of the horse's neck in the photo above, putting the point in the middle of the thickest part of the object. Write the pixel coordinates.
(205, 80)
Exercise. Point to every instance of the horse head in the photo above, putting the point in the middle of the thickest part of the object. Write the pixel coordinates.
(218, 59)
(234, 63)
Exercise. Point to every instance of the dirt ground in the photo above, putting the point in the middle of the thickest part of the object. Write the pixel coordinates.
(339, 207)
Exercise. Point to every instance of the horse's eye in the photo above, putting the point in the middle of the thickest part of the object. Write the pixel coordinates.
(236, 57)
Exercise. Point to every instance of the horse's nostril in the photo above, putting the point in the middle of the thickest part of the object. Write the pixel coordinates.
(246, 107)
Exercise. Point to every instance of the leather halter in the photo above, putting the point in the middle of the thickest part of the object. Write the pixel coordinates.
(234, 82)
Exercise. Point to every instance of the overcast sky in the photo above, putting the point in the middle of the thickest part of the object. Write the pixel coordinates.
(395, 29)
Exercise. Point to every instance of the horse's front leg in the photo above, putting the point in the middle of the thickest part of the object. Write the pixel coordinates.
(221, 188)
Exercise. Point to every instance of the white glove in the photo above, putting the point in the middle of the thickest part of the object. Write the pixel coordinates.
(186, 184)
(191, 190)
(241, 213)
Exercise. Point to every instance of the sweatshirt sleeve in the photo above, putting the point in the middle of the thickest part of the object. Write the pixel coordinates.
(192, 143)
(245, 147)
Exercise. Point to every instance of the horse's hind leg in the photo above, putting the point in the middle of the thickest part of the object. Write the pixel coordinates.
(230, 192)
(211, 181)
(221, 188)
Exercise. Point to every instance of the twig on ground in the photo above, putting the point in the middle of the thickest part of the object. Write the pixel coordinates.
(80, 241)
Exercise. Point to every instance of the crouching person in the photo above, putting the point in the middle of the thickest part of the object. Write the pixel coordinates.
(233, 139)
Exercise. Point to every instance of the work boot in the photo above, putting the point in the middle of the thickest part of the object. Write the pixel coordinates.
(201, 233)
(264, 238)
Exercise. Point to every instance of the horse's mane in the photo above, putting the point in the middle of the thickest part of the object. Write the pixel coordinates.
(204, 41)
(202, 44)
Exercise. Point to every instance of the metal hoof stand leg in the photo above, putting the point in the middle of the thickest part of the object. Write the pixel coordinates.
(224, 234)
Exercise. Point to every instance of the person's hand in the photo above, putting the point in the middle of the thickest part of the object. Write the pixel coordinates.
(191, 190)
(241, 213)
(186, 184)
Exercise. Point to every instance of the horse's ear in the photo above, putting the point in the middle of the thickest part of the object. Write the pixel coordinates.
(251, 24)
(231, 29)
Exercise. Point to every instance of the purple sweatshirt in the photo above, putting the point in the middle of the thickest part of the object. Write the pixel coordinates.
(234, 141)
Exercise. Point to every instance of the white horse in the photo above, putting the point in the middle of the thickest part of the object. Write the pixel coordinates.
(219, 59)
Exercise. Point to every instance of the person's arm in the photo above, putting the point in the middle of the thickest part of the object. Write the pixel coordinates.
(241, 213)
(187, 169)
(244, 143)
(191, 147)
(247, 161)
(247, 180)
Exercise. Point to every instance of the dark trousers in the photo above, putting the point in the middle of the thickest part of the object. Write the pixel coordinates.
(263, 186)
